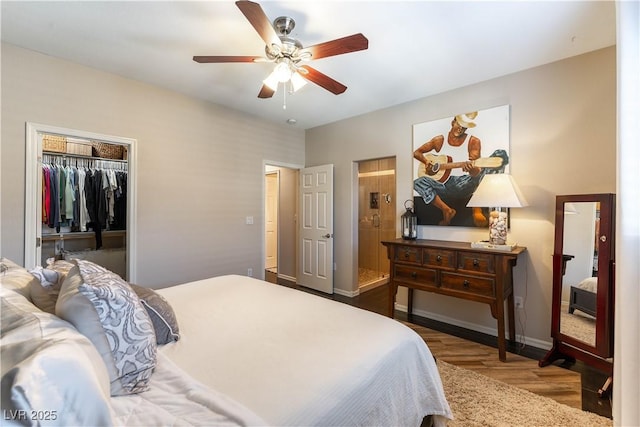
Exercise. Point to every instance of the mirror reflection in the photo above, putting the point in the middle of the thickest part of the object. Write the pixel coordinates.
(580, 262)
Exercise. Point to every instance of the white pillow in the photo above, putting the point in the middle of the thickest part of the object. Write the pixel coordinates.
(51, 374)
(45, 297)
(103, 307)
(589, 284)
(44, 291)
(47, 277)
(52, 382)
(15, 277)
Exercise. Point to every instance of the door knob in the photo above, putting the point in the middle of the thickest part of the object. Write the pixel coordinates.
(327, 236)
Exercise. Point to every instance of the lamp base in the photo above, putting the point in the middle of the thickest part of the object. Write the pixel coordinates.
(485, 244)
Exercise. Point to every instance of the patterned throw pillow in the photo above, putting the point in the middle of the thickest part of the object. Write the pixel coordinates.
(104, 308)
(162, 315)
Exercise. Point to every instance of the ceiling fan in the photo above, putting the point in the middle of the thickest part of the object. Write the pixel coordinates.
(287, 53)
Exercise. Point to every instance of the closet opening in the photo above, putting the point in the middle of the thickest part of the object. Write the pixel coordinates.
(84, 202)
(376, 220)
(82, 192)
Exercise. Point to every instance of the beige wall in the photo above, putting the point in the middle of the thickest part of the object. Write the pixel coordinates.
(200, 166)
(563, 141)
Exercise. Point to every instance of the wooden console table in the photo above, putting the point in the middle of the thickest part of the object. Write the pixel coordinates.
(458, 270)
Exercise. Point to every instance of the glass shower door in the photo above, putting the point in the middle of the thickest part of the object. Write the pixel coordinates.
(376, 219)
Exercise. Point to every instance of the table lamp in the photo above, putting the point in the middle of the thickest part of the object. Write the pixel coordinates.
(497, 191)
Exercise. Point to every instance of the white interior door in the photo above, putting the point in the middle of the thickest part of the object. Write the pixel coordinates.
(315, 268)
(271, 220)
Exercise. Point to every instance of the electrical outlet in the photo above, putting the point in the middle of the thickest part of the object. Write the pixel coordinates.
(519, 302)
(250, 272)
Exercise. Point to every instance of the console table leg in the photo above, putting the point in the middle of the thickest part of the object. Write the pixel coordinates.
(502, 348)
(393, 289)
(410, 302)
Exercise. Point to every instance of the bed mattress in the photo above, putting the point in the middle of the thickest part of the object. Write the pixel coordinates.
(298, 359)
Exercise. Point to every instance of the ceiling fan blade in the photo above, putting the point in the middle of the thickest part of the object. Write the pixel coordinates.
(347, 44)
(321, 80)
(215, 59)
(266, 92)
(256, 17)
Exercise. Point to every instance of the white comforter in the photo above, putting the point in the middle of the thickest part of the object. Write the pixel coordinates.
(175, 399)
(297, 359)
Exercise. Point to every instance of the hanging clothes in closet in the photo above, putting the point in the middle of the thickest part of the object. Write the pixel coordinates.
(80, 194)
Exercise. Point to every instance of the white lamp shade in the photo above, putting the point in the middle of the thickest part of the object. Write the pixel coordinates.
(297, 81)
(497, 190)
(272, 81)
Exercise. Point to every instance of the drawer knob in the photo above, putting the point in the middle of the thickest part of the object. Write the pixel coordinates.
(466, 283)
(439, 258)
(476, 262)
(406, 254)
(414, 275)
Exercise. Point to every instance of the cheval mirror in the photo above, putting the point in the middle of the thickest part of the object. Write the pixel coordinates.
(583, 281)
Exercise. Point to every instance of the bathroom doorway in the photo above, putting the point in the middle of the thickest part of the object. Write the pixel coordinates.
(376, 220)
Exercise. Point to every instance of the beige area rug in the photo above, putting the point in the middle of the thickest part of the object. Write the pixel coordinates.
(477, 400)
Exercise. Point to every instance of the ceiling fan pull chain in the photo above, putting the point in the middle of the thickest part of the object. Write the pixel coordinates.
(284, 96)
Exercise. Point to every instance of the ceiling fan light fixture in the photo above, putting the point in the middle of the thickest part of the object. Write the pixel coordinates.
(297, 81)
(272, 81)
(286, 52)
(282, 71)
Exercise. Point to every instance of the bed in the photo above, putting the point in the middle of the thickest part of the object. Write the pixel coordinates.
(583, 296)
(249, 353)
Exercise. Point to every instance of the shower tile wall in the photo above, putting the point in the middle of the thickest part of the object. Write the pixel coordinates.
(376, 217)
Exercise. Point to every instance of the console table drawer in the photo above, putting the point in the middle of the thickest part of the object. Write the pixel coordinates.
(470, 284)
(476, 262)
(440, 258)
(408, 254)
(407, 273)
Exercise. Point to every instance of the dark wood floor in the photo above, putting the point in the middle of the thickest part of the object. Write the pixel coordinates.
(442, 338)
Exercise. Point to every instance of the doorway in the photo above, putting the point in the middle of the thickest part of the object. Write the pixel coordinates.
(280, 223)
(119, 243)
(271, 180)
(376, 220)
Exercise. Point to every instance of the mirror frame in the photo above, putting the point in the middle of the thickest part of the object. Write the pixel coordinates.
(606, 267)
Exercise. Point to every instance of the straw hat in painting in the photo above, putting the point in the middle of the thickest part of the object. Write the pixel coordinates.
(466, 120)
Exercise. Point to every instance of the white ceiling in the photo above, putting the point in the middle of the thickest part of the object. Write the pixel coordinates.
(416, 48)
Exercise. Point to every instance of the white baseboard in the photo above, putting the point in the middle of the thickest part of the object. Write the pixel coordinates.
(344, 293)
(373, 285)
(288, 278)
(545, 345)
